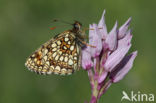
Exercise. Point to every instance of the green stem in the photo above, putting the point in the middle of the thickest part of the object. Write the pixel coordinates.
(95, 92)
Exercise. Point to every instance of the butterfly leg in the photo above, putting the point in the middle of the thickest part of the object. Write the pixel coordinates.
(86, 44)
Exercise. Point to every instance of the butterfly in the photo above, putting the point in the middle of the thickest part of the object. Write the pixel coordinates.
(61, 54)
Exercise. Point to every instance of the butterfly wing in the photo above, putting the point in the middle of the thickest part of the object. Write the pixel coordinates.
(60, 55)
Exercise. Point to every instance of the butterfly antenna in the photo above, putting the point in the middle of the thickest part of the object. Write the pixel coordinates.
(56, 20)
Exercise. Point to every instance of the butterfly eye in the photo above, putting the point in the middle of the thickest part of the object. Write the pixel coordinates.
(77, 26)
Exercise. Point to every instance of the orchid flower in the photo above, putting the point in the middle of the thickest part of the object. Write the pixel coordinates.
(108, 63)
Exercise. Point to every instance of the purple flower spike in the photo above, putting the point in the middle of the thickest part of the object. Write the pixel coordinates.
(107, 63)
(123, 68)
(111, 39)
(86, 59)
(123, 29)
(95, 40)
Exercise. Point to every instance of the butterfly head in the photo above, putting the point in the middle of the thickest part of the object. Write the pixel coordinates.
(77, 26)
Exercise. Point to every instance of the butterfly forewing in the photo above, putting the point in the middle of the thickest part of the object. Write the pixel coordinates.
(60, 55)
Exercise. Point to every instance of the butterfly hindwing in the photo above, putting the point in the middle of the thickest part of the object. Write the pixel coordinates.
(60, 55)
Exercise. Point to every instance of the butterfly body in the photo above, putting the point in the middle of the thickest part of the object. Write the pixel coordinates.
(60, 55)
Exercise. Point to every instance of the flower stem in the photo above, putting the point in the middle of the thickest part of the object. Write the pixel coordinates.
(95, 92)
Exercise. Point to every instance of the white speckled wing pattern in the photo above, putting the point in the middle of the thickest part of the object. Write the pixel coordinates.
(60, 55)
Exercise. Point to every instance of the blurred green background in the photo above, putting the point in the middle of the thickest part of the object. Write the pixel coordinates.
(24, 26)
